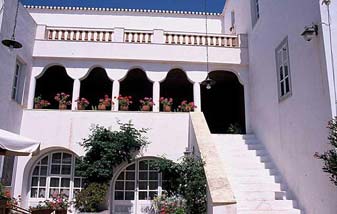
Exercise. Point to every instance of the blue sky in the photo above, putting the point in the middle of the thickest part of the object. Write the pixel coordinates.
(186, 5)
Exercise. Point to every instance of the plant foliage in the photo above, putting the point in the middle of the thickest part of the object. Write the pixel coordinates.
(92, 198)
(106, 149)
(330, 157)
(187, 179)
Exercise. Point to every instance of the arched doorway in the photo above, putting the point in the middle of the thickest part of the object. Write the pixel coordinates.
(95, 86)
(54, 80)
(177, 86)
(137, 85)
(223, 105)
(135, 186)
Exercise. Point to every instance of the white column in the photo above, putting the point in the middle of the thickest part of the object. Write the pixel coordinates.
(247, 111)
(76, 93)
(156, 96)
(115, 93)
(197, 96)
(31, 94)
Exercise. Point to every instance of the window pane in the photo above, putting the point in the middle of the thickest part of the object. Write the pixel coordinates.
(143, 165)
(287, 85)
(54, 182)
(55, 169)
(56, 158)
(66, 169)
(121, 176)
(65, 192)
(33, 193)
(42, 192)
(153, 185)
(153, 176)
(43, 170)
(36, 170)
(282, 88)
(44, 161)
(143, 176)
(131, 167)
(285, 70)
(119, 185)
(65, 182)
(153, 194)
(130, 176)
(129, 196)
(119, 195)
(35, 181)
(142, 185)
(53, 192)
(77, 182)
(130, 185)
(42, 181)
(281, 73)
(142, 195)
(66, 158)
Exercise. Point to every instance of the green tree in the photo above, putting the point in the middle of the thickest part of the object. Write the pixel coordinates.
(330, 157)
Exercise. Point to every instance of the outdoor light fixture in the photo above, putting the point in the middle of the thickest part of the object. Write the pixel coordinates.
(208, 82)
(12, 43)
(310, 32)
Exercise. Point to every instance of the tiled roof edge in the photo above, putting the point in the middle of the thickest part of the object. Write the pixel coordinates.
(120, 10)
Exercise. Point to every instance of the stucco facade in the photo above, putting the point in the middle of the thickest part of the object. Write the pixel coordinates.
(238, 49)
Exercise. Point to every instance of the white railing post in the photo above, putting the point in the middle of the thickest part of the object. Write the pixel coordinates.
(158, 36)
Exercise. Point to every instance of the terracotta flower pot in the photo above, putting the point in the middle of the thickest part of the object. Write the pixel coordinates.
(80, 107)
(167, 108)
(146, 108)
(101, 107)
(42, 211)
(62, 106)
(123, 108)
(37, 106)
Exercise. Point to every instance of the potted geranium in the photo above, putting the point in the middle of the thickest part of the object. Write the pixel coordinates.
(146, 104)
(59, 204)
(124, 102)
(105, 102)
(63, 100)
(186, 106)
(82, 103)
(167, 103)
(39, 103)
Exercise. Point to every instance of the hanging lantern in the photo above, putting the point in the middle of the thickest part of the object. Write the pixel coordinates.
(12, 43)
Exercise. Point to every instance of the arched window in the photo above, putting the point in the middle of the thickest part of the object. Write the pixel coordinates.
(53, 174)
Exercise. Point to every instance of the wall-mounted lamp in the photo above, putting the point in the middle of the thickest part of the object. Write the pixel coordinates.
(310, 32)
(208, 82)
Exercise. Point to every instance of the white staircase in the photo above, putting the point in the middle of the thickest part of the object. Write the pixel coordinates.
(256, 183)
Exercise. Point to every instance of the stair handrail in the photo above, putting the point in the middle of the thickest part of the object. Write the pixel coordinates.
(19, 209)
(219, 188)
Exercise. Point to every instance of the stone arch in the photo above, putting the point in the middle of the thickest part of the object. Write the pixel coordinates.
(51, 81)
(95, 85)
(224, 104)
(137, 85)
(177, 86)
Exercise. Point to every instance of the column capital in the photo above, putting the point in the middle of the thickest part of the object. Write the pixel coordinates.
(196, 76)
(116, 74)
(77, 73)
(156, 76)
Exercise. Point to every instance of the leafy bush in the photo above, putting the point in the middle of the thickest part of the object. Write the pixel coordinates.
(187, 179)
(330, 157)
(92, 198)
(106, 149)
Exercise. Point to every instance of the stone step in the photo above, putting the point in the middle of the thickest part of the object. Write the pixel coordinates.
(260, 195)
(266, 205)
(256, 187)
(292, 211)
(251, 172)
(242, 146)
(256, 180)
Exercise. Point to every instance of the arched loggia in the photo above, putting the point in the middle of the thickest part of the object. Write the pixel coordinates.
(137, 85)
(223, 105)
(95, 86)
(54, 80)
(177, 86)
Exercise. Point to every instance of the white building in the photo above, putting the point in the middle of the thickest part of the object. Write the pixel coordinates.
(277, 87)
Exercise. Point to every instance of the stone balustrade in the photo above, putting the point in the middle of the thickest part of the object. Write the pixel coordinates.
(147, 37)
(73, 34)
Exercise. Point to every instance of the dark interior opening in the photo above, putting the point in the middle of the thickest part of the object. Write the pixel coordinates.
(223, 105)
(54, 80)
(136, 85)
(177, 86)
(95, 86)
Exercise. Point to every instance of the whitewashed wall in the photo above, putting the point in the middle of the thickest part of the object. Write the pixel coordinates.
(295, 128)
(242, 16)
(10, 111)
(168, 134)
(127, 20)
